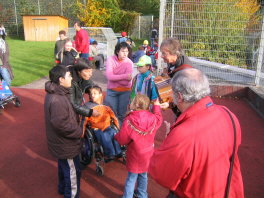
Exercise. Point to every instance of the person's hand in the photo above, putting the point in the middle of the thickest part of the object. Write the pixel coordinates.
(167, 126)
(156, 102)
(164, 105)
(129, 77)
(95, 113)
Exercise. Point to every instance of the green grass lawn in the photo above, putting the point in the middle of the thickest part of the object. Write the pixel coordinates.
(30, 60)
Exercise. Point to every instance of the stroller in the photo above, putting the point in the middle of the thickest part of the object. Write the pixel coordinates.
(91, 149)
(7, 96)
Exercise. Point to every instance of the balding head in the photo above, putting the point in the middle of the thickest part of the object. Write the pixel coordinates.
(191, 83)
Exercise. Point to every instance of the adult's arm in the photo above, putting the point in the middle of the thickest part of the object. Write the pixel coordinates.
(171, 162)
(79, 109)
(60, 120)
(117, 77)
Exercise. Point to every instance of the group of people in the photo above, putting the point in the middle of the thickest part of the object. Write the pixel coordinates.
(67, 51)
(194, 160)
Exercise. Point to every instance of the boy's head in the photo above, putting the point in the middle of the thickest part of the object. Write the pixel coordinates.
(62, 34)
(94, 43)
(140, 102)
(144, 64)
(60, 75)
(68, 44)
(145, 42)
(96, 94)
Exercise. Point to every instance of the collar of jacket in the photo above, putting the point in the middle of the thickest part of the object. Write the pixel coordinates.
(202, 104)
(53, 88)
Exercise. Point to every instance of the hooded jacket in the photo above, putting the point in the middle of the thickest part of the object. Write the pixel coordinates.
(62, 130)
(138, 132)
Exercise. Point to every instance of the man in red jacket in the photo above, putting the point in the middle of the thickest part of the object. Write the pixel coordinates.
(194, 159)
(82, 41)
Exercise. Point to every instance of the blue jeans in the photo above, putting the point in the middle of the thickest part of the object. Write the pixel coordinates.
(109, 144)
(84, 55)
(142, 185)
(118, 101)
(5, 75)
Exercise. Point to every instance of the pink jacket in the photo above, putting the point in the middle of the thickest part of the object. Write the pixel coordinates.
(117, 72)
(138, 132)
(82, 41)
(193, 161)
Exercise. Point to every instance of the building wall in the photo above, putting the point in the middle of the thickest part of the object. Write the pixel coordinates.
(43, 28)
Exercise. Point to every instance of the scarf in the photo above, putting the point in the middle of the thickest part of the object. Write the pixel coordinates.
(141, 84)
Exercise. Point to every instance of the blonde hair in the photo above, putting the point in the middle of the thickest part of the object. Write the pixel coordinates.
(140, 102)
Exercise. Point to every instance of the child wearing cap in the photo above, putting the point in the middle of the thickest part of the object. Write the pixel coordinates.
(123, 38)
(143, 82)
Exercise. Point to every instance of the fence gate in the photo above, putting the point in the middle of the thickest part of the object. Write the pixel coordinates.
(224, 38)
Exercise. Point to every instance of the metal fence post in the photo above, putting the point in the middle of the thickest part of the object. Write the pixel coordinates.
(172, 17)
(139, 27)
(61, 9)
(161, 20)
(38, 7)
(260, 55)
(16, 16)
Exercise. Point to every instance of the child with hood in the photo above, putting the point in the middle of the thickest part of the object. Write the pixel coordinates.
(138, 132)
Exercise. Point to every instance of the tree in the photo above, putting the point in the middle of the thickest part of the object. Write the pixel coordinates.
(146, 7)
(216, 30)
(105, 13)
(5, 14)
(93, 14)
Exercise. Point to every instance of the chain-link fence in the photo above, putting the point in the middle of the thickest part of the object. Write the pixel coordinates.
(11, 12)
(142, 27)
(223, 37)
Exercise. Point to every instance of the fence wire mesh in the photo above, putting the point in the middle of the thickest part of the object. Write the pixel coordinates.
(223, 37)
(142, 27)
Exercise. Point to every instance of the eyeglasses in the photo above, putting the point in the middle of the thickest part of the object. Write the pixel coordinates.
(165, 53)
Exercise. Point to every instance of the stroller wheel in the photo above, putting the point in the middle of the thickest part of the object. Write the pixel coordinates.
(17, 102)
(99, 171)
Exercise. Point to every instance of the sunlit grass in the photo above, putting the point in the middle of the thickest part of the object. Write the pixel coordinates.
(30, 60)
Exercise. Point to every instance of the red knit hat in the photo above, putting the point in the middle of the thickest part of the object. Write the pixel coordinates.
(123, 34)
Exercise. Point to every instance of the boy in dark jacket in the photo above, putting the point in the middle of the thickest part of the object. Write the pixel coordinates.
(62, 130)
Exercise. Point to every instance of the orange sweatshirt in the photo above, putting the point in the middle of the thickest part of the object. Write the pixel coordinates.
(104, 120)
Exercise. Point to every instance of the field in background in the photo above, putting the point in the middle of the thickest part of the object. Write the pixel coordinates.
(30, 60)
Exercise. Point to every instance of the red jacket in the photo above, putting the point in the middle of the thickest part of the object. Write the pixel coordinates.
(82, 41)
(193, 161)
(138, 132)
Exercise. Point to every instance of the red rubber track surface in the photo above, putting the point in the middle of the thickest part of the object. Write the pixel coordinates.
(27, 170)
